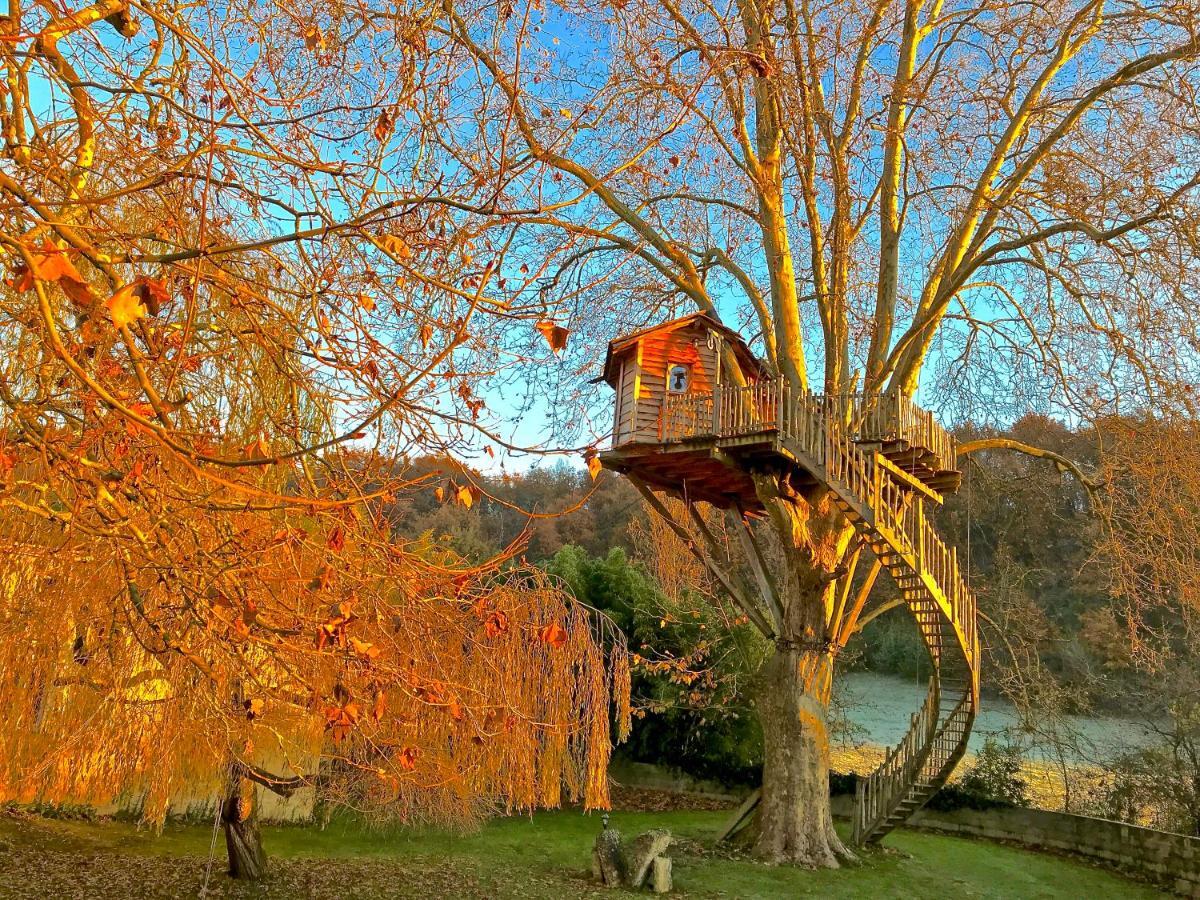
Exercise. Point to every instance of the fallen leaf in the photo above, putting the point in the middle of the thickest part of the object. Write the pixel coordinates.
(365, 649)
(336, 539)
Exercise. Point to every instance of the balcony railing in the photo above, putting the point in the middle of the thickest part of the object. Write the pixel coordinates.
(771, 405)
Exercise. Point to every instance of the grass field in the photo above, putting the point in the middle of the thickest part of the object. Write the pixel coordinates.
(546, 856)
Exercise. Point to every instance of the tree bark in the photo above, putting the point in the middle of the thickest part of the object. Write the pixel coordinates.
(239, 817)
(794, 823)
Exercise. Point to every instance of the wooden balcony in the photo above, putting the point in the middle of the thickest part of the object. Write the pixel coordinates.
(731, 416)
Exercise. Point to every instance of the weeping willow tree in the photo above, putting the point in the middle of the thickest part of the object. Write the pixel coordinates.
(219, 347)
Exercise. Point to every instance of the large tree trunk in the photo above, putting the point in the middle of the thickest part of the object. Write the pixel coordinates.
(239, 816)
(794, 821)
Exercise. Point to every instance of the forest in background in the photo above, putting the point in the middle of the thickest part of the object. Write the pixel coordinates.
(1023, 527)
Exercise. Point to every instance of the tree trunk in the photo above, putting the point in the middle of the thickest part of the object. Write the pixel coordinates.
(794, 821)
(239, 817)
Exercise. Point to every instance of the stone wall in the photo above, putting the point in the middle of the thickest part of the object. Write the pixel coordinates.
(1172, 860)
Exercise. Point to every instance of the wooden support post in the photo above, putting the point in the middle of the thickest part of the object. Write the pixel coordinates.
(739, 599)
(758, 565)
(717, 553)
(740, 817)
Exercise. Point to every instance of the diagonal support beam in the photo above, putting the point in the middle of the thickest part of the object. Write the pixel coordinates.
(860, 600)
(739, 598)
(717, 552)
(758, 565)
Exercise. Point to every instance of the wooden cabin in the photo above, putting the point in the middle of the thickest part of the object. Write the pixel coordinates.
(683, 357)
(686, 423)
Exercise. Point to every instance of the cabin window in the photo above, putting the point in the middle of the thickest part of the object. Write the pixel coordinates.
(679, 377)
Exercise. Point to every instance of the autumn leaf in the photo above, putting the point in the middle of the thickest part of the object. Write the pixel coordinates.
(396, 246)
(336, 539)
(153, 294)
(322, 579)
(125, 307)
(313, 39)
(593, 465)
(257, 449)
(424, 336)
(365, 649)
(384, 125)
(440, 494)
(465, 495)
(52, 264)
(254, 708)
(555, 335)
(554, 635)
(407, 758)
(367, 302)
(496, 624)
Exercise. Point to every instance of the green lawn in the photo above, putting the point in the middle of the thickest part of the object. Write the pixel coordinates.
(546, 856)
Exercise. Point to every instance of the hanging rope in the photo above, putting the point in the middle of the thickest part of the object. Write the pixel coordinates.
(970, 521)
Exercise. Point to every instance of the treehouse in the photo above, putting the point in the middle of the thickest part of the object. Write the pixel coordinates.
(696, 413)
(698, 416)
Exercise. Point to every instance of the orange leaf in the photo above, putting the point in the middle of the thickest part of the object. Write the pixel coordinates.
(424, 335)
(384, 125)
(407, 758)
(554, 635)
(367, 302)
(322, 579)
(365, 649)
(496, 624)
(152, 293)
(257, 449)
(336, 539)
(594, 465)
(440, 493)
(125, 306)
(555, 335)
(254, 708)
(465, 496)
(396, 246)
(52, 264)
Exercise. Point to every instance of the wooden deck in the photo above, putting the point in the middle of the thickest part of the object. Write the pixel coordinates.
(709, 445)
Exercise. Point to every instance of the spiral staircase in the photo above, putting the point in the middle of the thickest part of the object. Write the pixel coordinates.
(882, 458)
(887, 508)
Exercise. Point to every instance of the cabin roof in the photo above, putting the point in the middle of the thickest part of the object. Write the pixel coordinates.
(746, 357)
